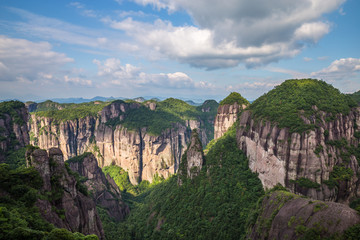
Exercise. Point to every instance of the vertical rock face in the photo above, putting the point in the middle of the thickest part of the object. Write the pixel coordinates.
(104, 191)
(65, 206)
(283, 215)
(13, 128)
(226, 117)
(318, 163)
(141, 154)
(193, 160)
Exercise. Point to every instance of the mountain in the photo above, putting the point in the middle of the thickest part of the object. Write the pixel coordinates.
(145, 139)
(82, 100)
(303, 135)
(283, 167)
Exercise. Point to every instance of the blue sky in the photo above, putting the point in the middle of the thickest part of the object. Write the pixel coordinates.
(188, 49)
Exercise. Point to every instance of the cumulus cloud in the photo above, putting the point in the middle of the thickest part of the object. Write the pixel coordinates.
(232, 32)
(21, 59)
(77, 80)
(340, 69)
(128, 75)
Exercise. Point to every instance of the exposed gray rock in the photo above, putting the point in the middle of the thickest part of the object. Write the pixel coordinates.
(283, 215)
(193, 159)
(66, 207)
(103, 190)
(141, 154)
(226, 116)
(279, 156)
(13, 134)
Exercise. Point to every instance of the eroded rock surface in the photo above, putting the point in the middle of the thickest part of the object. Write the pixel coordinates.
(13, 128)
(65, 206)
(141, 154)
(103, 190)
(193, 160)
(226, 117)
(315, 155)
(283, 215)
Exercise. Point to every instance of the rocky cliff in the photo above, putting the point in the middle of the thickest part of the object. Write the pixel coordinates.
(66, 205)
(226, 116)
(13, 128)
(138, 151)
(193, 159)
(103, 191)
(228, 112)
(319, 163)
(283, 215)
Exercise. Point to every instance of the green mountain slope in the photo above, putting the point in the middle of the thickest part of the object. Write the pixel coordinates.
(356, 97)
(214, 205)
(234, 97)
(294, 98)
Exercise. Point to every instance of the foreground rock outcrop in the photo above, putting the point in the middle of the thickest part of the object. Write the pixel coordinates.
(283, 215)
(103, 191)
(137, 151)
(318, 163)
(65, 206)
(13, 128)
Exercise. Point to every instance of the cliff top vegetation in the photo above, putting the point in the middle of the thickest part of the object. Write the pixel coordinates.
(10, 108)
(234, 97)
(166, 114)
(291, 99)
(356, 97)
(70, 111)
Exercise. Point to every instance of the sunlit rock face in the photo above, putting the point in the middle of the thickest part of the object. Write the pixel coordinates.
(226, 117)
(281, 157)
(140, 153)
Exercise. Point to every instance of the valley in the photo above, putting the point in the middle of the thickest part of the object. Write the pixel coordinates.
(285, 166)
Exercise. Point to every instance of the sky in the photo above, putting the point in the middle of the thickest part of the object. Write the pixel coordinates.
(187, 49)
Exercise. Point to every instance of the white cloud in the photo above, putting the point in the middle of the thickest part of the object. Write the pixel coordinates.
(77, 80)
(127, 75)
(307, 59)
(341, 69)
(57, 30)
(232, 32)
(23, 59)
(312, 31)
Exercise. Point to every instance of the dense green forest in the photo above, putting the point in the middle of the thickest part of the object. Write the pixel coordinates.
(214, 205)
(234, 97)
(168, 113)
(356, 97)
(11, 109)
(71, 111)
(291, 99)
